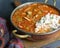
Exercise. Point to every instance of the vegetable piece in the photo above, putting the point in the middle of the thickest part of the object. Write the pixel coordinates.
(40, 12)
(20, 26)
(27, 28)
(19, 19)
(29, 13)
(27, 19)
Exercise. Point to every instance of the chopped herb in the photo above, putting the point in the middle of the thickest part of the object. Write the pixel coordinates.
(43, 20)
(53, 28)
(51, 17)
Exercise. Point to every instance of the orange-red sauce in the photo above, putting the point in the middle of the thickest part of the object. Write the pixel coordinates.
(26, 17)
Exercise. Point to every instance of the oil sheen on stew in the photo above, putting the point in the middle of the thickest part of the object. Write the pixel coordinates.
(26, 17)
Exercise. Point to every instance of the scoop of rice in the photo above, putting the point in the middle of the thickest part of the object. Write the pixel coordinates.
(50, 21)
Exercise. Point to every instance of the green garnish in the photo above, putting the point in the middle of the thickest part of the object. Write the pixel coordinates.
(53, 28)
(43, 20)
(51, 17)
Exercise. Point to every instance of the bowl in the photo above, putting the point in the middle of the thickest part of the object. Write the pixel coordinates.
(28, 35)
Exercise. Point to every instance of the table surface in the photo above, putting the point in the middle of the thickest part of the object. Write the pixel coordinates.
(6, 8)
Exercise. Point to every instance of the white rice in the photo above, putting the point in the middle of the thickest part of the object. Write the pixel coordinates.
(49, 20)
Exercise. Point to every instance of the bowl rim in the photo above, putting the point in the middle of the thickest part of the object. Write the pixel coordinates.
(28, 3)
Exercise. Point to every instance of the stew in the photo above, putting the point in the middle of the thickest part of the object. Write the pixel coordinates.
(26, 17)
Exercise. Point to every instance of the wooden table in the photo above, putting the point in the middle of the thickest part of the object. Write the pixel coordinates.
(38, 44)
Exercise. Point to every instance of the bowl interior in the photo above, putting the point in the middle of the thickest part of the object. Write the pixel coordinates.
(28, 3)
